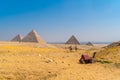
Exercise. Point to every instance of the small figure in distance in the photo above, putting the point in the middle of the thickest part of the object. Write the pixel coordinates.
(70, 48)
(76, 48)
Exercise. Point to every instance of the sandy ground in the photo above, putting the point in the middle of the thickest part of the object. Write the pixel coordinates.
(27, 62)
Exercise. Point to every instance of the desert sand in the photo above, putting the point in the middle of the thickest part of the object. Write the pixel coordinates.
(30, 61)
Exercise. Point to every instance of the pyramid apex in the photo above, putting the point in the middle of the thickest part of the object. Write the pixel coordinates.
(33, 30)
(19, 35)
(72, 36)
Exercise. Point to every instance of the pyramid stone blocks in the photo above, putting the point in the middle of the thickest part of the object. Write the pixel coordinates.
(72, 40)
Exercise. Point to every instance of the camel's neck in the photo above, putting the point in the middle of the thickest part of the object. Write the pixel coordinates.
(94, 55)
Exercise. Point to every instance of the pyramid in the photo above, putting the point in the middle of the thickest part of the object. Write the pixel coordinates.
(17, 38)
(89, 44)
(72, 40)
(33, 36)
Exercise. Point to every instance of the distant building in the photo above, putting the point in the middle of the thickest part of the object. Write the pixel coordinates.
(17, 38)
(33, 36)
(89, 44)
(72, 40)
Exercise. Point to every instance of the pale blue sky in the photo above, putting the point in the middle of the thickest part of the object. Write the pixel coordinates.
(57, 20)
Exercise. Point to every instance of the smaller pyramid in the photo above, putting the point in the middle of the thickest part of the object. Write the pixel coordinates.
(17, 38)
(33, 36)
(72, 40)
(89, 44)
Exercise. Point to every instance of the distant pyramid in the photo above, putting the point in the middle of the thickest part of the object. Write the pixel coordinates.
(17, 38)
(72, 40)
(33, 36)
(89, 44)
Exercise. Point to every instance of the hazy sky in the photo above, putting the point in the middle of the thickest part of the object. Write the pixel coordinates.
(57, 20)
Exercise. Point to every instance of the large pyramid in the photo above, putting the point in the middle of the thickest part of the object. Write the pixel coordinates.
(33, 36)
(72, 40)
(17, 38)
